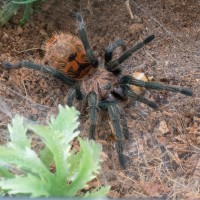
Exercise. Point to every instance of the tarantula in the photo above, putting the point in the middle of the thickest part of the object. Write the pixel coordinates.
(72, 61)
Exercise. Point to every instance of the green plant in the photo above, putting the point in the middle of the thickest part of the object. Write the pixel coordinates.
(73, 169)
(11, 7)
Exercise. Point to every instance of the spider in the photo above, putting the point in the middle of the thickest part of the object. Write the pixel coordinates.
(71, 60)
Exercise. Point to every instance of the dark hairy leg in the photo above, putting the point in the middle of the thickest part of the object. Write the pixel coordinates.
(92, 103)
(124, 91)
(141, 99)
(44, 68)
(124, 124)
(154, 85)
(113, 111)
(83, 36)
(110, 49)
(114, 65)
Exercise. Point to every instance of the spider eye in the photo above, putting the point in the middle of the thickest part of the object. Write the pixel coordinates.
(72, 57)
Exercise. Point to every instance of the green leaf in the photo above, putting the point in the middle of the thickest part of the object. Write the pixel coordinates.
(11, 8)
(46, 156)
(73, 169)
(24, 2)
(7, 11)
(4, 172)
(57, 137)
(30, 184)
(98, 192)
(86, 167)
(66, 121)
(18, 133)
(27, 13)
(53, 142)
(26, 159)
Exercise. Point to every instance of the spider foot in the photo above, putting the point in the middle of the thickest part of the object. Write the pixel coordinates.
(120, 154)
(148, 39)
(7, 65)
(186, 92)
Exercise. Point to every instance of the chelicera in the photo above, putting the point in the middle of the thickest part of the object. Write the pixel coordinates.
(72, 61)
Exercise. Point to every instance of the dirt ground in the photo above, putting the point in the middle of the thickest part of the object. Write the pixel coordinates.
(163, 152)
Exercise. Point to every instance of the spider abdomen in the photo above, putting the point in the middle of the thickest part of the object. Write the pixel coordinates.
(139, 76)
(66, 53)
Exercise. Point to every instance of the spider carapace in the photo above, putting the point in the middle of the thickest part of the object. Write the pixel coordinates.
(72, 61)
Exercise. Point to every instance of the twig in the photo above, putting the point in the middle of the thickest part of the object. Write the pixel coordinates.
(26, 50)
(129, 8)
(89, 6)
(4, 109)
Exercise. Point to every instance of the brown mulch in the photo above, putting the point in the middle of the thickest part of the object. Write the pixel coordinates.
(163, 152)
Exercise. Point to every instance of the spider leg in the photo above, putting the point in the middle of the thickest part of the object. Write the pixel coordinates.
(140, 98)
(114, 65)
(110, 49)
(92, 102)
(79, 95)
(83, 36)
(72, 93)
(154, 85)
(124, 91)
(124, 125)
(113, 111)
(44, 68)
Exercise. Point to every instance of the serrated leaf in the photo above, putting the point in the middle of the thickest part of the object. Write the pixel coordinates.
(46, 156)
(11, 8)
(24, 2)
(60, 123)
(27, 13)
(88, 166)
(4, 172)
(18, 132)
(74, 168)
(57, 137)
(7, 11)
(98, 192)
(26, 159)
(30, 184)
(53, 142)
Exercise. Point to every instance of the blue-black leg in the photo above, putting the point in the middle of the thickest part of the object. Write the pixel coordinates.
(92, 103)
(114, 114)
(140, 98)
(83, 36)
(110, 49)
(124, 124)
(113, 65)
(124, 91)
(72, 94)
(44, 68)
(154, 85)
